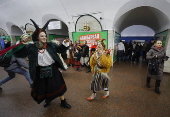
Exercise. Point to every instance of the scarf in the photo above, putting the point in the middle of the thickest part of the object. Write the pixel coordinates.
(41, 45)
(159, 48)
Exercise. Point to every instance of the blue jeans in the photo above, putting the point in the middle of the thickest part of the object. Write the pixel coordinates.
(11, 75)
(120, 54)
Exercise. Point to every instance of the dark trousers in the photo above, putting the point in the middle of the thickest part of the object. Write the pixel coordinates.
(144, 55)
(120, 54)
(11, 75)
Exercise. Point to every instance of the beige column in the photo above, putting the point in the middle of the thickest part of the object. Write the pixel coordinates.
(167, 48)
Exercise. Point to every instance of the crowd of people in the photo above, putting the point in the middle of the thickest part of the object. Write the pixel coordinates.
(45, 64)
(78, 55)
(133, 50)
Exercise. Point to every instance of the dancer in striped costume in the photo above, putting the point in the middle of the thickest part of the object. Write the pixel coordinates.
(100, 64)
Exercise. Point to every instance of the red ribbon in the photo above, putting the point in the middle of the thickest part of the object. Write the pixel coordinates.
(9, 48)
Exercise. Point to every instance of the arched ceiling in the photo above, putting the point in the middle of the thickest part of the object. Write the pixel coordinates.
(147, 16)
(116, 14)
(137, 30)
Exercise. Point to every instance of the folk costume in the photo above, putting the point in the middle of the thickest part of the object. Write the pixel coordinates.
(100, 63)
(77, 56)
(44, 62)
(70, 55)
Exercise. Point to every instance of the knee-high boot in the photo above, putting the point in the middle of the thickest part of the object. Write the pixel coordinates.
(148, 82)
(157, 85)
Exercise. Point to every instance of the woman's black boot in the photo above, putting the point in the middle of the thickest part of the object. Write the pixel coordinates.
(157, 85)
(148, 82)
(65, 104)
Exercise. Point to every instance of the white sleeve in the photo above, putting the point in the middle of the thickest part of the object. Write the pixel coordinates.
(66, 44)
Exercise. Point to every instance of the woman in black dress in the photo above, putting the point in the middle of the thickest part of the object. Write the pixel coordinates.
(44, 62)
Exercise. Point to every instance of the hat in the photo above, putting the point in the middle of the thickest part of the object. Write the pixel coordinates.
(108, 51)
(25, 35)
(38, 30)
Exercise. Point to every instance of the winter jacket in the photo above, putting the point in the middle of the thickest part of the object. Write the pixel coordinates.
(16, 63)
(85, 51)
(160, 56)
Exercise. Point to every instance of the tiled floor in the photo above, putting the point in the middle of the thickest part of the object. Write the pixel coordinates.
(128, 96)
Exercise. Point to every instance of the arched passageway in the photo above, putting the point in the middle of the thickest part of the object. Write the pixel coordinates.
(144, 15)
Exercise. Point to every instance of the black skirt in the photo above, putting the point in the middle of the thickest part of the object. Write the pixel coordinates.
(48, 88)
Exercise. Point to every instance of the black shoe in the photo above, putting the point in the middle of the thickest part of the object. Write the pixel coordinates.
(68, 65)
(65, 104)
(148, 85)
(88, 71)
(157, 90)
(46, 104)
(0, 89)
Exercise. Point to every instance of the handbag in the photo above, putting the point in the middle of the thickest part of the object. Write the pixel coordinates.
(45, 72)
(153, 66)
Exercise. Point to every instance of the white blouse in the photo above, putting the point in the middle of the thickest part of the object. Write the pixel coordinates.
(44, 58)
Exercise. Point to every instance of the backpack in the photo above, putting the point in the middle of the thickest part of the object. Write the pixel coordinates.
(153, 66)
(4, 60)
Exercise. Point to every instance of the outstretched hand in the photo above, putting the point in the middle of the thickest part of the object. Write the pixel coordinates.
(66, 40)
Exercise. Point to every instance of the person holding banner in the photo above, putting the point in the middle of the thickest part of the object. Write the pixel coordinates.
(100, 63)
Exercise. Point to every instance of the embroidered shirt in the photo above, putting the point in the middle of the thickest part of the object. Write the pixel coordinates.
(44, 58)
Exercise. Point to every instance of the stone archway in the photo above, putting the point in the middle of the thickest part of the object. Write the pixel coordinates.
(64, 28)
(14, 30)
(145, 12)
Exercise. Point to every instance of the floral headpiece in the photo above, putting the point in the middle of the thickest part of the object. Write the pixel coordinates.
(102, 42)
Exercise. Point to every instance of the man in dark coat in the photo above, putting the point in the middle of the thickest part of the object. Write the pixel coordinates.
(130, 50)
(85, 54)
(15, 67)
(148, 46)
